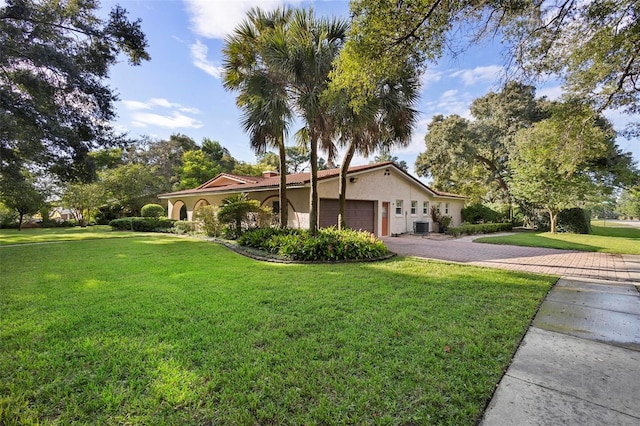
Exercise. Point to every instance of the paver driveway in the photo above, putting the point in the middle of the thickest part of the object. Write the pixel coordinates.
(528, 259)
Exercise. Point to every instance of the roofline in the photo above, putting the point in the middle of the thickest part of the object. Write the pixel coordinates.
(362, 169)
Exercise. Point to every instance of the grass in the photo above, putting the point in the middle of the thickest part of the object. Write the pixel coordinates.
(609, 239)
(165, 330)
(49, 235)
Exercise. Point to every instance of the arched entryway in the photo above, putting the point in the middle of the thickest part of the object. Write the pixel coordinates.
(201, 203)
(179, 211)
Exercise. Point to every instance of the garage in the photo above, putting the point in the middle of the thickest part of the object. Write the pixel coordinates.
(360, 214)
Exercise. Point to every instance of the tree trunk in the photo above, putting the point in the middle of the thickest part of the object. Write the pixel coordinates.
(344, 168)
(313, 197)
(553, 219)
(20, 222)
(284, 203)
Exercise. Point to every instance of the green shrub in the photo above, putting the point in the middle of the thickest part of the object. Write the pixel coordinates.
(142, 224)
(575, 220)
(479, 213)
(184, 227)
(481, 228)
(152, 210)
(239, 214)
(328, 245)
(208, 223)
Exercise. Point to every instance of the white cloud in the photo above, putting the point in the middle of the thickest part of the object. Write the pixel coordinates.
(199, 55)
(135, 105)
(430, 77)
(162, 113)
(476, 75)
(552, 93)
(173, 121)
(158, 102)
(217, 18)
(450, 102)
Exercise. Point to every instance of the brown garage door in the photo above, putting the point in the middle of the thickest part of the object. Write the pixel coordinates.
(360, 214)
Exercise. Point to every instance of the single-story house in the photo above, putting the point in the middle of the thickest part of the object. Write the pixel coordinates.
(381, 198)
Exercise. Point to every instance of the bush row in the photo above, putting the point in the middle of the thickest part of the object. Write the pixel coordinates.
(328, 245)
(482, 228)
(142, 224)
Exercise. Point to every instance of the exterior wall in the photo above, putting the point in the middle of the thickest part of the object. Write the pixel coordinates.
(388, 185)
(298, 204)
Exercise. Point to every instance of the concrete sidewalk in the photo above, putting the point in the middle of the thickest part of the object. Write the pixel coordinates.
(579, 363)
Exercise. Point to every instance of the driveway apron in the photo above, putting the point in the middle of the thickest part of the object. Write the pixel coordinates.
(579, 362)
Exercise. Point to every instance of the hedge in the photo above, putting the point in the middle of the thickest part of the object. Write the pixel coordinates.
(142, 224)
(482, 228)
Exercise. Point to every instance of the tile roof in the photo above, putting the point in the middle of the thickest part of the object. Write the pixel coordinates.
(296, 179)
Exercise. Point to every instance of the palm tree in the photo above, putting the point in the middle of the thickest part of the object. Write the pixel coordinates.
(385, 120)
(305, 53)
(263, 96)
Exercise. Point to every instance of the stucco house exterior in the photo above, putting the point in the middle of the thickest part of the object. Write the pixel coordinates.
(381, 198)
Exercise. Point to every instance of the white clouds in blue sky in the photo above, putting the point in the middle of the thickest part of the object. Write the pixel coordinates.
(216, 18)
(199, 52)
(161, 113)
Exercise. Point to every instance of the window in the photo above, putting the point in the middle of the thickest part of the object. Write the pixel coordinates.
(446, 208)
(414, 207)
(398, 207)
(425, 208)
(438, 207)
(275, 206)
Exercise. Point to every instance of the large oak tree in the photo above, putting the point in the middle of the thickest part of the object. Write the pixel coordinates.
(55, 104)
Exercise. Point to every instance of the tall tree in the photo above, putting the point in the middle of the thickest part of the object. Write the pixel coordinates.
(54, 102)
(83, 199)
(305, 54)
(262, 87)
(297, 157)
(165, 155)
(133, 185)
(385, 120)
(472, 157)
(19, 192)
(550, 160)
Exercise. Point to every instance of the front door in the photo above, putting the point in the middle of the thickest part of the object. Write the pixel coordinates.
(385, 219)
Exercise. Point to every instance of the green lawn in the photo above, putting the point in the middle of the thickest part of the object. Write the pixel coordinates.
(165, 330)
(36, 235)
(609, 239)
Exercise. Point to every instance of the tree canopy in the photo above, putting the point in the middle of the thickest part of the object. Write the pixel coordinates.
(552, 161)
(471, 157)
(55, 105)
(591, 45)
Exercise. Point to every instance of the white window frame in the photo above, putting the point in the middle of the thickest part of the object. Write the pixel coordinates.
(399, 206)
(438, 207)
(414, 207)
(446, 208)
(425, 208)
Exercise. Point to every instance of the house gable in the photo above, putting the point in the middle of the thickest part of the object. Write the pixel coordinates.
(225, 179)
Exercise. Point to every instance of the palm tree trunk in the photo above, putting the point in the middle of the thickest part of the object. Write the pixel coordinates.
(313, 198)
(344, 168)
(284, 204)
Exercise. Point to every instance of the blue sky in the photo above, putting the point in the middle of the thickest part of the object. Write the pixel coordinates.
(180, 89)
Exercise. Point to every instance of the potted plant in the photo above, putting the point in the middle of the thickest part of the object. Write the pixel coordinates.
(435, 216)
